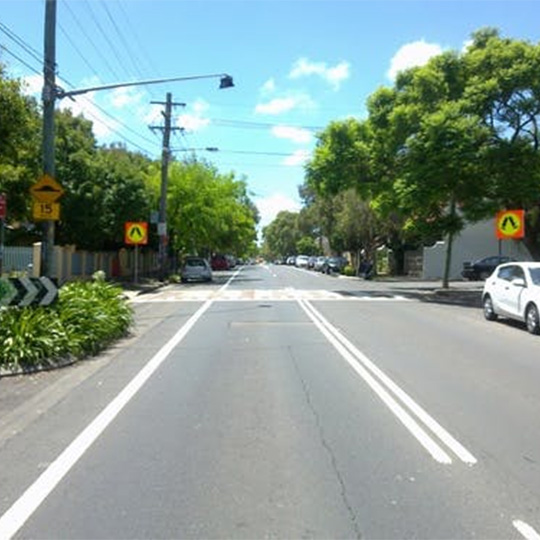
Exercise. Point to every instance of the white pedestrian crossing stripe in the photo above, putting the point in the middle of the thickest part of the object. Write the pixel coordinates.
(258, 295)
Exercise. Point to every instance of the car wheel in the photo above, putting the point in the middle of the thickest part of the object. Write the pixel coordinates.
(532, 319)
(489, 312)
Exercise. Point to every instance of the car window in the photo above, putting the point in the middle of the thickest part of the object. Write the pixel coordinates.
(505, 273)
(535, 275)
(517, 272)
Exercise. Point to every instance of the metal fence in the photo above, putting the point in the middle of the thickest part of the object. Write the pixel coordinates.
(17, 260)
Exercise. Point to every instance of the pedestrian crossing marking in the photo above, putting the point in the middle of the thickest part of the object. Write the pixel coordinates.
(260, 295)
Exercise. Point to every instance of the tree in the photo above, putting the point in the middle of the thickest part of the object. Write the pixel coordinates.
(19, 146)
(104, 187)
(504, 91)
(209, 212)
(282, 235)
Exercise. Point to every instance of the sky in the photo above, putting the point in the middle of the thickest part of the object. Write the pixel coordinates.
(297, 65)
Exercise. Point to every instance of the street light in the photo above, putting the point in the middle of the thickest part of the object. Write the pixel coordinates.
(226, 81)
(52, 92)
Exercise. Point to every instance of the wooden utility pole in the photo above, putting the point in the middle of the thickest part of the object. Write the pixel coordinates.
(49, 97)
(165, 158)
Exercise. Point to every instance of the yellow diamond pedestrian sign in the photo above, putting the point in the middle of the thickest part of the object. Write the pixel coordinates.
(136, 233)
(510, 224)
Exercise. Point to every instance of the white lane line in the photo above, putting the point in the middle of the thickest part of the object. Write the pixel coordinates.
(388, 391)
(461, 452)
(526, 530)
(17, 515)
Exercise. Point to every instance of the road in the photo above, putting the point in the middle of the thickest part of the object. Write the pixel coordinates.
(279, 403)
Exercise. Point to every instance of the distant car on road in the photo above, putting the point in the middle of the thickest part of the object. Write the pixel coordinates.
(219, 262)
(334, 265)
(319, 263)
(195, 269)
(483, 268)
(513, 291)
(301, 261)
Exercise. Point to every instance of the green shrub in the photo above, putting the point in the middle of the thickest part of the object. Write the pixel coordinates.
(86, 318)
(93, 314)
(30, 336)
(349, 270)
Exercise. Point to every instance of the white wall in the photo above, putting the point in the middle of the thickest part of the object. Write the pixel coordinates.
(475, 242)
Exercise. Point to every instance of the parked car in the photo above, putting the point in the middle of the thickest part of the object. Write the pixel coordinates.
(219, 262)
(513, 291)
(195, 269)
(301, 261)
(319, 263)
(483, 268)
(334, 265)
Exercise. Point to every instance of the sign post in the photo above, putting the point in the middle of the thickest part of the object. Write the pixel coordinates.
(136, 234)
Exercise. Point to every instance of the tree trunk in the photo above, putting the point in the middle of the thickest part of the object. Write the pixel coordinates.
(448, 258)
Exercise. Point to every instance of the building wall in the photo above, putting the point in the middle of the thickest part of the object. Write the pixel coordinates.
(475, 242)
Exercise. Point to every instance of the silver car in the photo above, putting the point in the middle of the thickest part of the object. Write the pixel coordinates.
(196, 269)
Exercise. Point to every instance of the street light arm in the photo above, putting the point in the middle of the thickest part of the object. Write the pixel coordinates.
(226, 82)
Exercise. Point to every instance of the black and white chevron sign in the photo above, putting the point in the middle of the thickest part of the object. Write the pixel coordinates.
(25, 291)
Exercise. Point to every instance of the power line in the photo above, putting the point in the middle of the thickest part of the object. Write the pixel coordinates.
(90, 40)
(23, 44)
(112, 47)
(3, 47)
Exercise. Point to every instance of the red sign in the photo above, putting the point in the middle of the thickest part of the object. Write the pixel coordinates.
(136, 233)
(3, 206)
(510, 224)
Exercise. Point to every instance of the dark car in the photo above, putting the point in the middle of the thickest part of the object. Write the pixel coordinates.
(483, 268)
(334, 265)
(219, 262)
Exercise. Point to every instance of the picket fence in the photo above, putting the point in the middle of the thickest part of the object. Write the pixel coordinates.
(69, 263)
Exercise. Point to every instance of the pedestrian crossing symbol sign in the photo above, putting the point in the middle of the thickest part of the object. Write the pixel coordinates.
(510, 224)
(136, 233)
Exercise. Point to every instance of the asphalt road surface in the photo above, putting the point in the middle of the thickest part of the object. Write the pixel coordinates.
(279, 403)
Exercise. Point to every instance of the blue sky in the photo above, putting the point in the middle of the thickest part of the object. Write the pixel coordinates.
(296, 64)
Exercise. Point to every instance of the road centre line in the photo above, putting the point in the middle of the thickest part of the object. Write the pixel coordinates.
(390, 393)
(21, 510)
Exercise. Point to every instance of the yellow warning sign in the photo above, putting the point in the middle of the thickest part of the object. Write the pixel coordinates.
(510, 224)
(47, 189)
(136, 233)
(46, 211)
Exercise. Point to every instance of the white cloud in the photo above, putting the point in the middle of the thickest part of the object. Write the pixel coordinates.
(123, 97)
(334, 75)
(285, 104)
(268, 87)
(297, 135)
(299, 157)
(270, 207)
(103, 125)
(466, 45)
(33, 84)
(195, 120)
(413, 54)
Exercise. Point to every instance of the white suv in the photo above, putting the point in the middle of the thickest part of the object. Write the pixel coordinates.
(513, 291)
